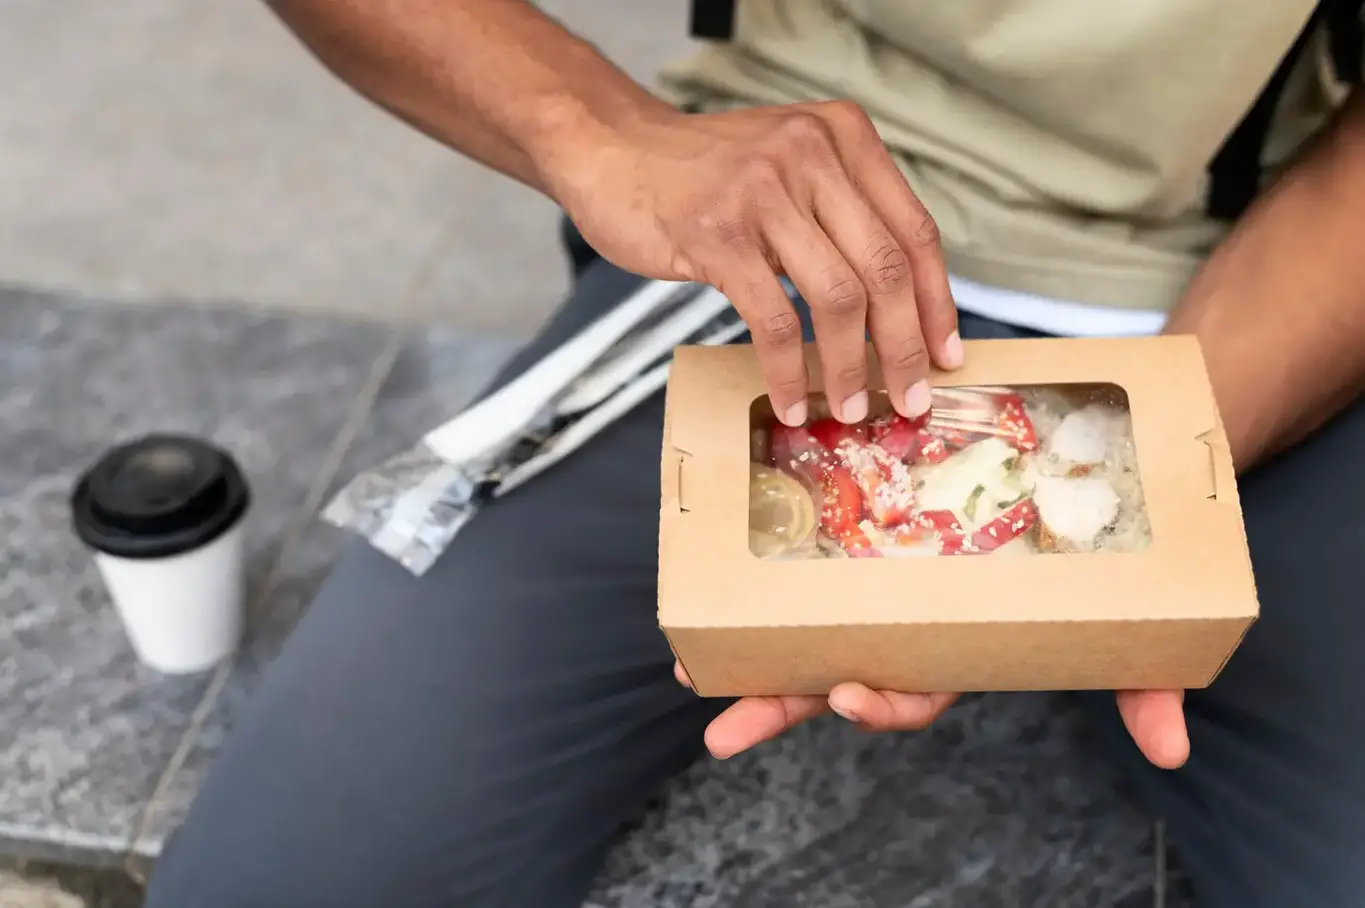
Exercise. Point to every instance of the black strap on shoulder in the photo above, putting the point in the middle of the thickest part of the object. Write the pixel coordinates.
(713, 20)
(1235, 172)
(1344, 37)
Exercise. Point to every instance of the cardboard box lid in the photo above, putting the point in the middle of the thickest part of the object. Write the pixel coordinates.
(1196, 565)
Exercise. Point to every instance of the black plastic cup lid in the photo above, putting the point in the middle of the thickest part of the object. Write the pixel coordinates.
(158, 496)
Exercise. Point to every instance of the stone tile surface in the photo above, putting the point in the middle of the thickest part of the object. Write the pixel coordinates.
(87, 730)
(433, 377)
(18, 892)
(25, 884)
(194, 149)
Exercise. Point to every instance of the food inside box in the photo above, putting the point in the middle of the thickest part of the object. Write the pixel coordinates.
(989, 470)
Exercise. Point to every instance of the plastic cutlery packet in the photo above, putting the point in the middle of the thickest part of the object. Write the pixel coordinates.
(412, 506)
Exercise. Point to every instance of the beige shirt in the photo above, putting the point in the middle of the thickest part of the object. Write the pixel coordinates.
(1063, 146)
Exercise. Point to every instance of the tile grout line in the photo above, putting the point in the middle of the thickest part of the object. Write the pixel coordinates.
(341, 444)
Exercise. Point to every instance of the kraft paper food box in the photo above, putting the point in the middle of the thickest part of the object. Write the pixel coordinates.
(1066, 518)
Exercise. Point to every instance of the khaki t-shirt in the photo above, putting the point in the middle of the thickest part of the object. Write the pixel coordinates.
(1064, 146)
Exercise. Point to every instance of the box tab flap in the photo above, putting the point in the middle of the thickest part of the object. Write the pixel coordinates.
(1221, 476)
(680, 486)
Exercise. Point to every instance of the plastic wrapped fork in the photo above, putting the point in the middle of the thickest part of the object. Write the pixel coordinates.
(412, 506)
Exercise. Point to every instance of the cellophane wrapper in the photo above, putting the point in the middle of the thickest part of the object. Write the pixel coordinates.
(988, 471)
(410, 506)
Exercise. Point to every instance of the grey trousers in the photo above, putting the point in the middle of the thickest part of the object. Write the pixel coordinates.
(474, 738)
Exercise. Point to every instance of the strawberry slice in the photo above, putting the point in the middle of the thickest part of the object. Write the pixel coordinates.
(829, 432)
(797, 451)
(954, 539)
(942, 522)
(907, 440)
(932, 449)
(1017, 520)
(1015, 426)
(895, 434)
(883, 479)
(842, 513)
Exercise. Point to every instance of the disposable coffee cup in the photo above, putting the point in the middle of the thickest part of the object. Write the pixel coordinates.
(163, 516)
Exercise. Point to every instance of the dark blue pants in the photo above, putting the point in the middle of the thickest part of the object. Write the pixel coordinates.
(475, 737)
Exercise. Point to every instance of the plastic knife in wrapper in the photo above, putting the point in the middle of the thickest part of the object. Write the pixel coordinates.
(413, 505)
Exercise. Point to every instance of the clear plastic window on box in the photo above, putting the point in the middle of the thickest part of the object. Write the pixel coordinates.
(988, 471)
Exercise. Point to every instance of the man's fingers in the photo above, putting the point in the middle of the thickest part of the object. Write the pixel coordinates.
(838, 305)
(755, 292)
(883, 710)
(884, 270)
(872, 169)
(754, 720)
(1156, 720)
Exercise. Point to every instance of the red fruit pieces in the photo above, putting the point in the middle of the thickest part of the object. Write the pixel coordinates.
(1015, 425)
(954, 539)
(932, 449)
(799, 452)
(907, 440)
(1013, 523)
(884, 480)
(895, 434)
(829, 432)
(1009, 526)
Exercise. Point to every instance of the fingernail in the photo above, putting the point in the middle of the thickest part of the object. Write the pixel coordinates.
(795, 415)
(953, 354)
(918, 399)
(839, 709)
(854, 409)
(843, 713)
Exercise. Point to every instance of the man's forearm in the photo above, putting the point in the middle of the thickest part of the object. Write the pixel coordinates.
(496, 80)
(1280, 306)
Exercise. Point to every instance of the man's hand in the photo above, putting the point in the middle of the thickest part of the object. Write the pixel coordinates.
(735, 200)
(1155, 719)
(739, 199)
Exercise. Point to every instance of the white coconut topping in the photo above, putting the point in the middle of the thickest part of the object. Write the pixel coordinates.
(1081, 438)
(1076, 510)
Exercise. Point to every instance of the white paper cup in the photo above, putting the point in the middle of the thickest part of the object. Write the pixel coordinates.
(164, 516)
